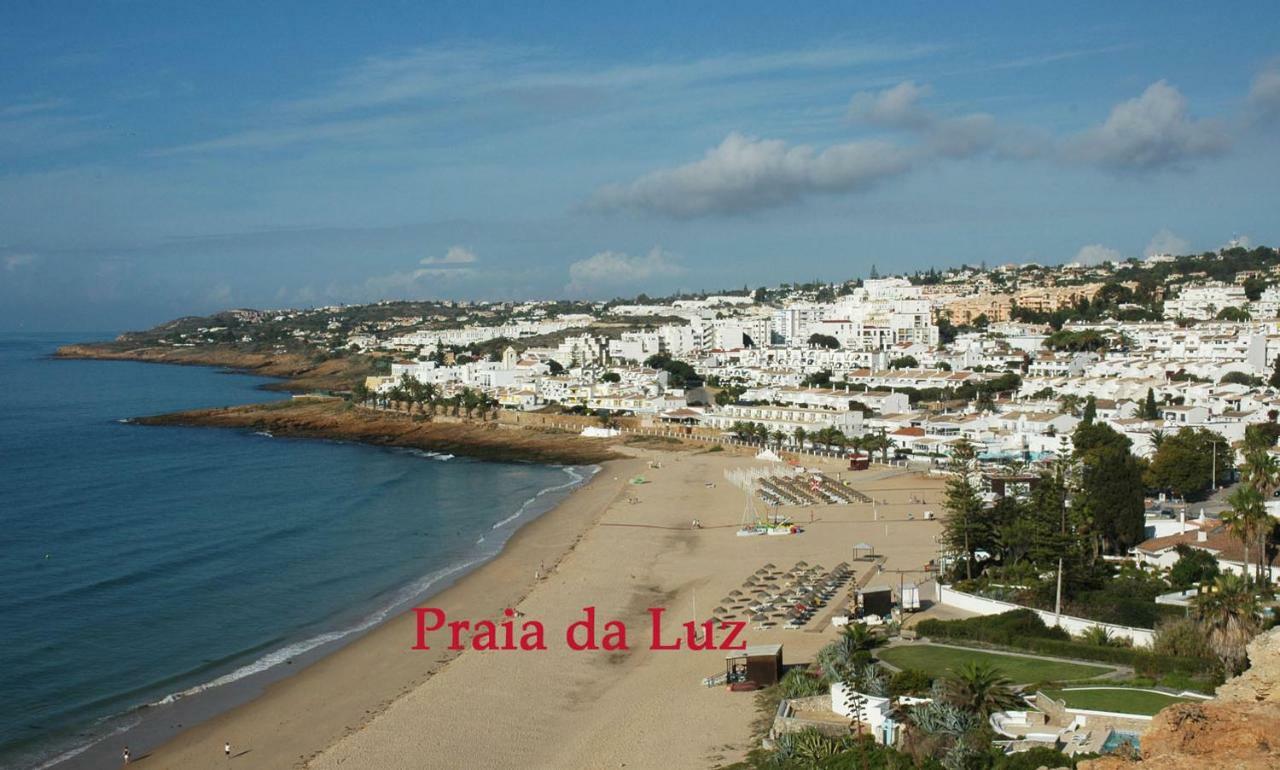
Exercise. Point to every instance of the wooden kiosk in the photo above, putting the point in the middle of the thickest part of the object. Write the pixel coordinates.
(760, 665)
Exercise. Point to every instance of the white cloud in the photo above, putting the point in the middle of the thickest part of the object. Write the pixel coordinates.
(408, 284)
(13, 262)
(1264, 92)
(1167, 242)
(613, 269)
(896, 107)
(456, 255)
(747, 174)
(1148, 133)
(962, 136)
(1096, 254)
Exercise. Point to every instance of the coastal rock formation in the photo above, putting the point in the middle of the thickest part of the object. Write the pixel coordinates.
(298, 372)
(333, 418)
(1239, 728)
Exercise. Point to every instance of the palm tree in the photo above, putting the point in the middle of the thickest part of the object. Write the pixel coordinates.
(430, 395)
(798, 434)
(1157, 438)
(981, 689)
(1246, 516)
(360, 393)
(469, 402)
(1262, 473)
(1228, 614)
(396, 396)
(778, 438)
(839, 660)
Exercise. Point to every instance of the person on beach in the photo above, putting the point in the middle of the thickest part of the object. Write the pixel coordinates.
(126, 755)
(226, 749)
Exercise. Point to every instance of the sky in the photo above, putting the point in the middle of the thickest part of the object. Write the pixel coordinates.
(167, 159)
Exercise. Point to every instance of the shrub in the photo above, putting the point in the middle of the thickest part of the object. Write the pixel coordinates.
(1181, 637)
(799, 683)
(993, 629)
(910, 681)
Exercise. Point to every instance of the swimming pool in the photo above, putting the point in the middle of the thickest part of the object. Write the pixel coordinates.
(1118, 738)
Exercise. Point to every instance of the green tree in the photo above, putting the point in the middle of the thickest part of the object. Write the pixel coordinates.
(904, 362)
(1090, 412)
(965, 528)
(1246, 517)
(1109, 495)
(823, 341)
(1149, 409)
(1188, 462)
(799, 435)
(1228, 615)
(1193, 567)
(980, 689)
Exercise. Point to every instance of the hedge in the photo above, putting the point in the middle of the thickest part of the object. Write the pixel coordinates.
(1024, 630)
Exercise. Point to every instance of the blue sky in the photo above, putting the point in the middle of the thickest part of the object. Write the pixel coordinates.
(160, 159)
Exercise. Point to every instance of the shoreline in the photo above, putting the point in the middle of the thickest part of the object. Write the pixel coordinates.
(304, 685)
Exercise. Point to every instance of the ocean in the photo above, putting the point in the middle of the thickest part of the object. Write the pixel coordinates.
(143, 565)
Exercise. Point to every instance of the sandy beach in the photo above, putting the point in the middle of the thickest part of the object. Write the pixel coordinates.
(617, 546)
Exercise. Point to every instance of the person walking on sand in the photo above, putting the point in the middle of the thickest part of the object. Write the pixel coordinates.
(226, 749)
(126, 755)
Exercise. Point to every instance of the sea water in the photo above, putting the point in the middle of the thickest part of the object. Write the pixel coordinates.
(143, 564)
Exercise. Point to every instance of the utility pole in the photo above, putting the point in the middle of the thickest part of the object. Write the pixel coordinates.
(1057, 605)
(1214, 477)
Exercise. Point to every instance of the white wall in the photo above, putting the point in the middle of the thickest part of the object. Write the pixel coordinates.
(1141, 637)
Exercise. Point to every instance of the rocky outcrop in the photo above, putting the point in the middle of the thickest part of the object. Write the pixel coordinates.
(1239, 728)
(333, 418)
(298, 373)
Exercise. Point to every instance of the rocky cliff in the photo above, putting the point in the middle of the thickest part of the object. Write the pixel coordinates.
(1239, 728)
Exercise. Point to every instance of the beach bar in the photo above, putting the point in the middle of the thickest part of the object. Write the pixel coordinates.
(760, 664)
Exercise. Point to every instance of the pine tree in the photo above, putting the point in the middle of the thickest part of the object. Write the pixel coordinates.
(1275, 375)
(1149, 409)
(966, 529)
(874, 273)
(1090, 411)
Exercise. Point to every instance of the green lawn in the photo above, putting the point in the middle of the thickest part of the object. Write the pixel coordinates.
(937, 661)
(1124, 701)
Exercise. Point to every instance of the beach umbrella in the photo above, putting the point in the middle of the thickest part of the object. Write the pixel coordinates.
(802, 564)
(735, 592)
(718, 610)
(770, 565)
